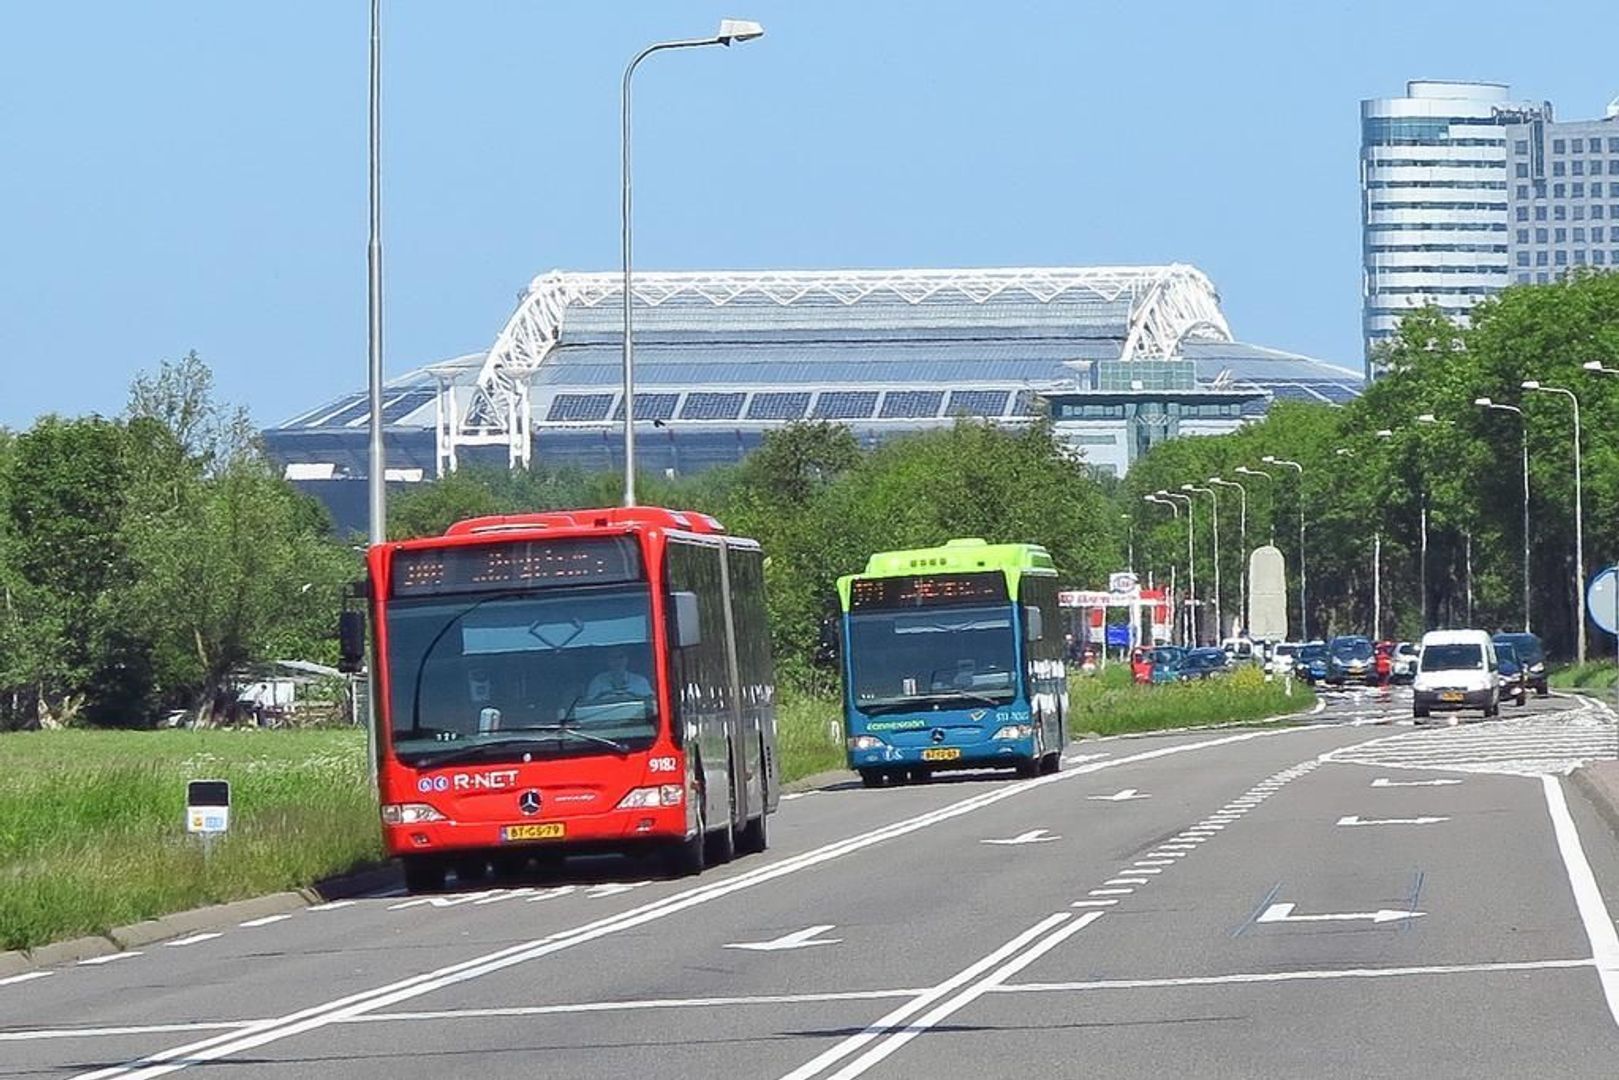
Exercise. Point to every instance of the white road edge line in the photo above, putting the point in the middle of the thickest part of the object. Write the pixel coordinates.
(34, 1034)
(633, 1006)
(27, 976)
(1290, 976)
(177, 1058)
(1599, 928)
(266, 920)
(193, 939)
(96, 961)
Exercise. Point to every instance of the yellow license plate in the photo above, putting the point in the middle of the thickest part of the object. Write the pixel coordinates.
(1450, 696)
(547, 830)
(941, 755)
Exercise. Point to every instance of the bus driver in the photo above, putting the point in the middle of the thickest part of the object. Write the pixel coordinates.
(617, 680)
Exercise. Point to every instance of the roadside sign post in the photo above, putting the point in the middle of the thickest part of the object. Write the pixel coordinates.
(1602, 604)
(207, 810)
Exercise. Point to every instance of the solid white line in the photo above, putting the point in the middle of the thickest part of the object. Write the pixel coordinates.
(96, 961)
(1154, 862)
(146, 1029)
(333, 905)
(972, 993)
(193, 939)
(180, 1057)
(1093, 903)
(1125, 881)
(1599, 926)
(831, 1056)
(27, 976)
(1146, 870)
(1110, 892)
(631, 1006)
(1289, 976)
(266, 921)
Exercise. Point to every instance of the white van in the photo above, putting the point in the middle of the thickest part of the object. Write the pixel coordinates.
(1456, 670)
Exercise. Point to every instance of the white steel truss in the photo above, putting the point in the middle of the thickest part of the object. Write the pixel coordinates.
(1168, 304)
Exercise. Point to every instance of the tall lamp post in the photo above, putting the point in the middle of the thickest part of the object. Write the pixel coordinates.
(1579, 510)
(1304, 606)
(1523, 424)
(1191, 566)
(1214, 516)
(730, 30)
(1377, 567)
(1175, 507)
(1467, 534)
(1242, 530)
(1243, 470)
(377, 474)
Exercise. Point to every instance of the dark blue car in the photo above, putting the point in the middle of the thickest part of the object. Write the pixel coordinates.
(1310, 663)
(1202, 663)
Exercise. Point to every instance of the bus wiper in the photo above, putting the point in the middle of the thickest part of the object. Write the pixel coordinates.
(470, 751)
(421, 662)
(563, 729)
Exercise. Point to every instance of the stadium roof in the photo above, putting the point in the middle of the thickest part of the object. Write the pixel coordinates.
(870, 347)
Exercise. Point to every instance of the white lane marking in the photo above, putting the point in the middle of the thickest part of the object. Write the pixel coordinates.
(266, 921)
(27, 976)
(505, 894)
(97, 961)
(1292, 976)
(614, 888)
(1125, 881)
(1355, 819)
(791, 795)
(630, 1006)
(1383, 781)
(194, 939)
(454, 900)
(1139, 869)
(180, 1057)
(898, 1016)
(35, 1034)
(798, 939)
(1153, 862)
(1033, 836)
(1599, 926)
(897, 1039)
(1124, 795)
(1080, 758)
(333, 905)
(551, 893)
(1110, 892)
(1284, 913)
(1093, 903)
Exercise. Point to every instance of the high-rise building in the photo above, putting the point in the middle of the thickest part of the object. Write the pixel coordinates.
(1434, 191)
(1564, 198)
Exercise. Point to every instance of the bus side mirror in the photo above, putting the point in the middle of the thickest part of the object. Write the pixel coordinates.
(1034, 623)
(827, 649)
(687, 630)
(350, 641)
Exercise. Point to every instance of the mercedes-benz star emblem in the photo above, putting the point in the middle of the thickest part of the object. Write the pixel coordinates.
(529, 802)
(938, 734)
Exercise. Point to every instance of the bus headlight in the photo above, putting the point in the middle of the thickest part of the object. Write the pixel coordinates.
(864, 742)
(1015, 731)
(647, 798)
(413, 813)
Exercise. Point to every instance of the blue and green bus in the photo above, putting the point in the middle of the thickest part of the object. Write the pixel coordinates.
(952, 658)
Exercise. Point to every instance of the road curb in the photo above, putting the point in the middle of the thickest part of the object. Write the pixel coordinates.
(198, 920)
(1599, 783)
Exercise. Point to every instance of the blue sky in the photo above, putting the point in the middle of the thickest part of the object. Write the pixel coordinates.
(192, 175)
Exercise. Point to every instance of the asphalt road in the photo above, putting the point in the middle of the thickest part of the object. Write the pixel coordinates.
(1355, 896)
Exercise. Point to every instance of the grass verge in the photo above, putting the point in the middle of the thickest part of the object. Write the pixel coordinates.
(809, 734)
(1109, 703)
(1591, 675)
(92, 823)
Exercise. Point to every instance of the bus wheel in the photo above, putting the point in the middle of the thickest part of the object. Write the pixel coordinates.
(722, 844)
(872, 777)
(919, 775)
(1029, 769)
(470, 868)
(1051, 763)
(423, 873)
(687, 858)
(755, 835)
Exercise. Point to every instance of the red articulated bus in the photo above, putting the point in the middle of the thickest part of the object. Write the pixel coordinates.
(569, 683)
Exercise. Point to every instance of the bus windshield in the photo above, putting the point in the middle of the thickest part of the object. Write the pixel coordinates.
(903, 659)
(510, 675)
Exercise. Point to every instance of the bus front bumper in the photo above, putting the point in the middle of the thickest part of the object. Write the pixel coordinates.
(610, 831)
(983, 754)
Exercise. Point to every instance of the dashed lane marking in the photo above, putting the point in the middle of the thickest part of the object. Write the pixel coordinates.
(194, 939)
(97, 961)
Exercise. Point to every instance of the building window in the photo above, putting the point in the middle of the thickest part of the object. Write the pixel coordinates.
(1596, 234)
(1559, 213)
(1559, 190)
(1540, 258)
(1523, 170)
(1577, 168)
(1596, 257)
(1523, 258)
(1540, 213)
(1558, 146)
(1613, 146)
(1613, 165)
(1523, 236)
(1579, 256)
(1558, 168)
(1577, 190)
(1561, 236)
(1521, 146)
(1596, 211)
(1523, 213)
(1596, 145)
(1560, 257)
(1540, 236)
(1579, 236)
(1541, 278)
(1523, 279)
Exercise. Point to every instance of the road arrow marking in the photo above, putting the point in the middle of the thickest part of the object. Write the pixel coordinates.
(798, 939)
(1353, 819)
(1383, 781)
(1284, 913)
(1033, 836)
(1120, 796)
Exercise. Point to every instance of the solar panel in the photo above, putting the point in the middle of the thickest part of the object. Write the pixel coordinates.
(357, 410)
(978, 402)
(908, 403)
(704, 405)
(845, 404)
(778, 406)
(1291, 392)
(1338, 393)
(1027, 403)
(580, 407)
(649, 406)
(405, 404)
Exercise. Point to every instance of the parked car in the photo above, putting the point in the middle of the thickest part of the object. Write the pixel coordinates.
(1512, 673)
(1238, 648)
(1533, 657)
(1166, 661)
(1281, 657)
(1457, 670)
(1310, 662)
(1350, 659)
(1202, 663)
(1404, 662)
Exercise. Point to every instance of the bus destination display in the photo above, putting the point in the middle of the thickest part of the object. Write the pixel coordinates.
(928, 590)
(515, 564)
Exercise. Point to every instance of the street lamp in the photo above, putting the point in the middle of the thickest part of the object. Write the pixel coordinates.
(1242, 529)
(1304, 608)
(1191, 565)
(1243, 470)
(1467, 534)
(1214, 499)
(730, 30)
(377, 478)
(1377, 566)
(1523, 424)
(1176, 510)
(1579, 510)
